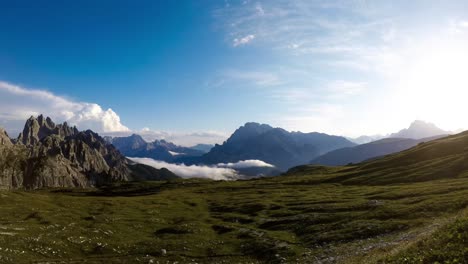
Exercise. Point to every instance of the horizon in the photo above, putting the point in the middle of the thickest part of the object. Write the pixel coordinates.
(197, 71)
(188, 141)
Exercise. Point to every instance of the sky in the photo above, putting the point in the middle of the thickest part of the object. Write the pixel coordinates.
(193, 71)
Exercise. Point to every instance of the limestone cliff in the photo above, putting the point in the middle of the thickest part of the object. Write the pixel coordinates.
(50, 155)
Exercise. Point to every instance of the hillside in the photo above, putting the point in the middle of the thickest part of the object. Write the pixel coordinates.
(367, 151)
(408, 207)
(46, 154)
(273, 145)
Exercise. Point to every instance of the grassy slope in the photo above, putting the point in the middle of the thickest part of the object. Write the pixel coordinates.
(408, 207)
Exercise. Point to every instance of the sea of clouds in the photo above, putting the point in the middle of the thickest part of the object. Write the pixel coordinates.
(221, 171)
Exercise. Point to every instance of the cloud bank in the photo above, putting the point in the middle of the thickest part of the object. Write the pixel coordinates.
(243, 164)
(18, 103)
(222, 171)
(191, 171)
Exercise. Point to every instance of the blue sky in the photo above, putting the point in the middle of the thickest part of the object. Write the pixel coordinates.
(200, 69)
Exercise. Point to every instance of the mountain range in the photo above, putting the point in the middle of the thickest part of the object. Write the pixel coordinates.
(50, 155)
(417, 132)
(278, 147)
(418, 129)
(368, 151)
(136, 146)
(275, 146)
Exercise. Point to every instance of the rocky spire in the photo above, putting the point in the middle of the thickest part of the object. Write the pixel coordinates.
(38, 128)
(4, 138)
(50, 155)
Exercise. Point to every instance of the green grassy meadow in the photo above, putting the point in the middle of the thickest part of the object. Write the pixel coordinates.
(404, 208)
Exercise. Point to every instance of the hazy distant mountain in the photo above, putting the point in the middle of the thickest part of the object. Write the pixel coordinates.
(136, 146)
(417, 130)
(367, 151)
(366, 139)
(420, 129)
(273, 145)
(46, 154)
(205, 148)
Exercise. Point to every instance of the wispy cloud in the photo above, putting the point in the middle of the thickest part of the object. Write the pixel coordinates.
(341, 88)
(18, 103)
(242, 78)
(305, 27)
(242, 41)
(354, 57)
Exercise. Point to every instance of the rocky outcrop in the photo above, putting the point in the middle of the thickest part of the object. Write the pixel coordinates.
(4, 138)
(38, 128)
(50, 155)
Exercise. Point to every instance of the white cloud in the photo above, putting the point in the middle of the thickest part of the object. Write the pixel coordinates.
(259, 9)
(192, 171)
(245, 164)
(18, 103)
(242, 41)
(221, 171)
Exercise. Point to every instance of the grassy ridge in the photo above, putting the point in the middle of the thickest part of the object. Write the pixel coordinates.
(376, 212)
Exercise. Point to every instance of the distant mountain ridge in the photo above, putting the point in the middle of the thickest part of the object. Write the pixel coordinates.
(368, 151)
(366, 139)
(205, 148)
(420, 129)
(272, 145)
(50, 155)
(135, 146)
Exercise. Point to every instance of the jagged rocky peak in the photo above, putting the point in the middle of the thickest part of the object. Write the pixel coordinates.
(4, 138)
(38, 128)
(248, 130)
(51, 155)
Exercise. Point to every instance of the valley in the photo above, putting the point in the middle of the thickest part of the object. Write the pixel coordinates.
(408, 207)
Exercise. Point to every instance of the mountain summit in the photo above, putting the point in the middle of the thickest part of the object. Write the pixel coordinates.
(273, 145)
(50, 155)
(420, 129)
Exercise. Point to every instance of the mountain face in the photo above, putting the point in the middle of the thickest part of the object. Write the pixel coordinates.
(368, 151)
(4, 138)
(136, 146)
(50, 155)
(273, 145)
(420, 129)
(205, 148)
